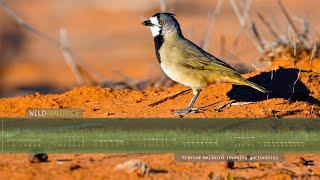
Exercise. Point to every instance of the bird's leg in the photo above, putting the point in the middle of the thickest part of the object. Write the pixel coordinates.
(190, 108)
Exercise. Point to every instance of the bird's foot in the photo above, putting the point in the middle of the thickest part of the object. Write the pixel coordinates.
(188, 110)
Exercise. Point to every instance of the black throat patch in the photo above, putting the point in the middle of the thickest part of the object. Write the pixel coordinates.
(158, 41)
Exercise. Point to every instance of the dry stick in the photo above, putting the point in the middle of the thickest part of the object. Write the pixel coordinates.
(236, 10)
(222, 45)
(255, 67)
(314, 50)
(306, 28)
(244, 18)
(294, 51)
(259, 43)
(42, 35)
(163, 6)
(170, 96)
(313, 54)
(219, 108)
(68, 57)
(271, 30)
(246, 8)
(295, 29)
(271, 82)
(204, 43)
(295, 82)
(255, 37)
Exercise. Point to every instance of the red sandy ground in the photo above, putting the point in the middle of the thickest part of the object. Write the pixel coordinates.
(92, 32)
(114, 103)
(107, 102)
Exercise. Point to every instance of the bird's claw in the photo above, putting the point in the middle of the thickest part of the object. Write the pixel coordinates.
(188, 110)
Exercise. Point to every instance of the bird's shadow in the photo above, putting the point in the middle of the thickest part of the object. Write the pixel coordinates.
(282, 83)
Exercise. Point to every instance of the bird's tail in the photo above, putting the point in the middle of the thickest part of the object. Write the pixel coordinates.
(256, 86)
(243, 81)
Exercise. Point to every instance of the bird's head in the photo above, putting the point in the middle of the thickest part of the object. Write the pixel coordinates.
(163, 24)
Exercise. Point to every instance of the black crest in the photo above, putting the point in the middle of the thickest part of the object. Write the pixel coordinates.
(158, 14)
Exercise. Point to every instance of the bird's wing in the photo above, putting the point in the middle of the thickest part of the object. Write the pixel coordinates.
(197, 58)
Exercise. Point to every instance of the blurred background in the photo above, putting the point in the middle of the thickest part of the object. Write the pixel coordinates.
(113, 45)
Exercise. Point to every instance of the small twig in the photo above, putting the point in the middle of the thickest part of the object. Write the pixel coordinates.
(259, 42)
(294, 51)
(245, 16)
(219, 108)
(286, 14)
(267, 24)
(170, 96)
(68, 57)
(246, 8)
(222, 45)
(255, 37)
(163, 6)
(241, 103)
(314, 50)
(255, 67)
(271, 82)
(313, 54)
(237, 11)
(204, 43)
(295, 82)
(306, 28)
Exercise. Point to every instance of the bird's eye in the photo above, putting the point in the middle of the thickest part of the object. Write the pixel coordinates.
(161, 22)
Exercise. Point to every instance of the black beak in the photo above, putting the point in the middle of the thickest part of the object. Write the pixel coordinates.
(147, 23)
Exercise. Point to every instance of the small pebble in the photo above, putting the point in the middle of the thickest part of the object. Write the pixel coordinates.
(38, 157)
(229, 164)
(108, 114)
(74, 167)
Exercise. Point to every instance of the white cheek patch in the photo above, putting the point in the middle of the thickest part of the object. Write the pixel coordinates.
(155, 29)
